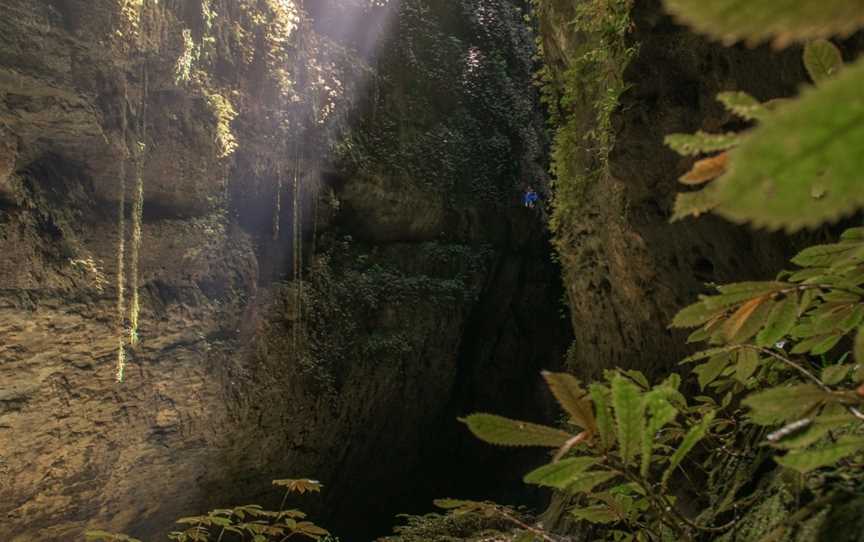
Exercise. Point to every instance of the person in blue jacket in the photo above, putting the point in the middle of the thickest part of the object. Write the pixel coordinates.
(530, 198)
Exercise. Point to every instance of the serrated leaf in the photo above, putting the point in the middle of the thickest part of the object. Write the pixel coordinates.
(638, 377)
(595, 514)
(561, 474)
(777, 20)
(806, 460)
(780, 322)
(744, 105)
(747, 320)
(702, 143)
(810, 146)
(300, 486)
(781, 404)
(506, 432)
(691, 439)
(694, 204)
(629, 407)
(660, 412)
(694, 315)
(822, 60)
(602, 412)
(706, 170)
(572, 398)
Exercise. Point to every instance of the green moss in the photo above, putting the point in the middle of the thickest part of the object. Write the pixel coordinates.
(586, 51)
(452, 108)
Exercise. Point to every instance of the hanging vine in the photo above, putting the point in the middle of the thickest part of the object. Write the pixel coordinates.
(129, 335)
(121, 251)
(138, 211)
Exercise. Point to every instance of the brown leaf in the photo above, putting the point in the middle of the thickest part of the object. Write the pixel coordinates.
(572, 398)
(706, 170)
(737, 320)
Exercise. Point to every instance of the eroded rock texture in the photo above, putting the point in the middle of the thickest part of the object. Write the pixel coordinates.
(426, 291)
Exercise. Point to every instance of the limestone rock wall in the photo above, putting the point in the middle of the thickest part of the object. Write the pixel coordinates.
(430, 298)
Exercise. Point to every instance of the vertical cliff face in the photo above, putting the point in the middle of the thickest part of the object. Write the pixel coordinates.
(627, 269)
(414, 288)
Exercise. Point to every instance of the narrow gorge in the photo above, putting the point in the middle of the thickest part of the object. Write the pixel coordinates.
(254, 240)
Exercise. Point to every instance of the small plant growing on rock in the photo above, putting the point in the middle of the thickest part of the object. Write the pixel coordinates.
(247, 523)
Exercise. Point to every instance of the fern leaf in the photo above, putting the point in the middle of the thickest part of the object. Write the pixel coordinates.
(691, 439)
(629, 416)
(561, 474)
(806, 460)
(822, 60)
(806, 155)
(781, 21)
(506, 432)
(572, 398)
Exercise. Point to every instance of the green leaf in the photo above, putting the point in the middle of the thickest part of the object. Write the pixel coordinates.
(660, 412)
(807, 460)
(781, 404)
(694, 315)
(835, 374)
(780, 322)
(822, 60)
(805, 156)
(506, 432)
(595, 514)
(748, 362)
(702, 143)
(572, 398)
(695, 203)
(691, 439)
(587, 481)
(300, 486)
(708, 372)
(778, 20)
(602, 412)
(859, 346)
(561, 474)
(744, 105)
(629, 409)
